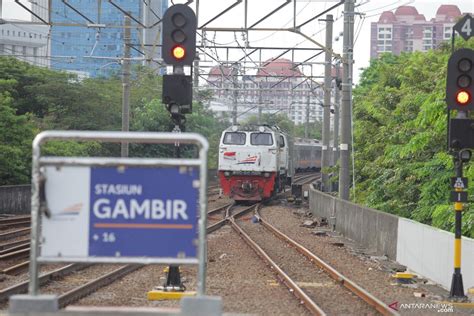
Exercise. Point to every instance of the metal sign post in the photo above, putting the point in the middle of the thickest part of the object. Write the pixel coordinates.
(458, 196)
(119, 210)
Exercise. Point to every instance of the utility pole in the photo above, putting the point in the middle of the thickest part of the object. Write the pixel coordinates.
(337, 107)
(196, 77)
(259, 106)
(234, 94)
(306, 125)
(346, 102)
(146, 32)
(126, 84)
(327, 104)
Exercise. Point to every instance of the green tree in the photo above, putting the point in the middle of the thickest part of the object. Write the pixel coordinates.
(279, 119)
(153, 116)
(314, 130)
(16, 136)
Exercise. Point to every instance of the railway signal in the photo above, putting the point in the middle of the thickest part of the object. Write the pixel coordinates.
(178, 50)
(459, 83)
(179, 35)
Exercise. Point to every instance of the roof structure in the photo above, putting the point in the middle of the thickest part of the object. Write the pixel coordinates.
(279, 67)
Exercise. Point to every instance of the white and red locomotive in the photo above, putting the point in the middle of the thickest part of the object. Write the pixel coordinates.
(254, 162)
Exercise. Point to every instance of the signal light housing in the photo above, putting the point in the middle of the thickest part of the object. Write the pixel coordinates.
(459, 82)
(179, 35)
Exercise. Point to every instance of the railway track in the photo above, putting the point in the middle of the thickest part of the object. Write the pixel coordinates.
(78, 292)
(231, 211)
(22, 287)
(14, 233)
(93, 285)
(11, 252)
(303, 291)
(306, 178)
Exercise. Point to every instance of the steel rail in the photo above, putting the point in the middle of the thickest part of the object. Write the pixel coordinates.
(227, 211)
(16, 224)
(14, 248)
(292, 286)
(218, 209)
(14, 219)
(307, 179)
(44, 278)
(213, 192)
(12, 244)
(379, 305)
(246, 210)
(212, 228)
(14, 269)
(15, 233)
(16, 254)
(310, 180)
(92, 286)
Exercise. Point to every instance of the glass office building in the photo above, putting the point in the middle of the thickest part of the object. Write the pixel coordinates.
(95, 48)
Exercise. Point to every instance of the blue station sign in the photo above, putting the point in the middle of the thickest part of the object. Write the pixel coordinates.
(143, 212)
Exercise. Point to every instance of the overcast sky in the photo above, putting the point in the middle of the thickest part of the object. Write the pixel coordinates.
(305, 10)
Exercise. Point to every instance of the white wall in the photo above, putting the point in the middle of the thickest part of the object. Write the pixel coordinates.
(430, 252)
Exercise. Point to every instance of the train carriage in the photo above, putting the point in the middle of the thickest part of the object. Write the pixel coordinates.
(254, 162)
(307, 154)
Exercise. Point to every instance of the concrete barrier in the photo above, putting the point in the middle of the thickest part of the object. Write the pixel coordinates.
(373, 229)
(15, 199)
(321, 204)
(426, 250)
(370, 228)
(430, 251)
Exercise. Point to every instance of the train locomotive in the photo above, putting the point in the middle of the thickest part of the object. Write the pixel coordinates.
(254, 162)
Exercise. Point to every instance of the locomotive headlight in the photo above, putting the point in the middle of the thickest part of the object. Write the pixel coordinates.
(227, 173)
(266, 174)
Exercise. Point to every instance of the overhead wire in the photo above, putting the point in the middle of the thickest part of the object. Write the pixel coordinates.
(289, 21)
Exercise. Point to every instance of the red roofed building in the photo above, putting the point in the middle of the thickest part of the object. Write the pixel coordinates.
(221, 76)
(277, 86)
(407, 30)
(279, 67)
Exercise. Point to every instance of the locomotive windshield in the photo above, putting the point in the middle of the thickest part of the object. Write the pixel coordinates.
(234, 138)
(264, 139)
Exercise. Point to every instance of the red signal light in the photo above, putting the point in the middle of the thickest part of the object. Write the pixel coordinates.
(463, 97)
(179, 52)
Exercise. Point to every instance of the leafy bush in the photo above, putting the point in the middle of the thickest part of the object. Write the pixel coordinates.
(402, 166)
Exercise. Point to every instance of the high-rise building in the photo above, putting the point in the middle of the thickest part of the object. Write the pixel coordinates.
(95, 49)
(23, 42)
(406, 30)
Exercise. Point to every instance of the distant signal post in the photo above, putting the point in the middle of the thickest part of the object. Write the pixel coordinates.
(178, 50)
(459, 98)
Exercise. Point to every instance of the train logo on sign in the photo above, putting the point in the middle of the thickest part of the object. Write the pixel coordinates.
(143, 212)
